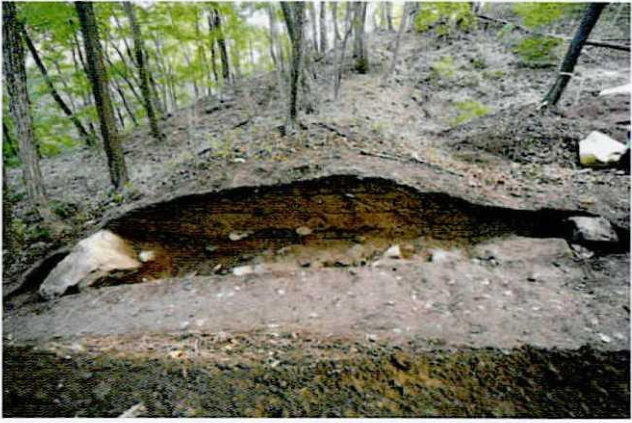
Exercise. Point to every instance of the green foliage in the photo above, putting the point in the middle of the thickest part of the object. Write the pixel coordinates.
(493, 74)
(536, 15)
(64, 210)
(468, 110)
(538, 51)
(479, 63)
(443, 68)
(448, 16)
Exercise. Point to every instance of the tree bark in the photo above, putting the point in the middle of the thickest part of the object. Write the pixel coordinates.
(341, 63)
(323, 28)
(126, 105)
(90, 141)
(360, 54)
(273, 54)
(591, 16)
(294, 14)
(389, 15)
(98, 80)
(19, 108)
(143, 76)
(334, 17)
(221, 42)
(400, 31)
(312, 18)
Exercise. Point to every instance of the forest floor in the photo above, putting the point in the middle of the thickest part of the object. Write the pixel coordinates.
(333, 328)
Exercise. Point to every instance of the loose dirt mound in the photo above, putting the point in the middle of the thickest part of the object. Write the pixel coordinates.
(525, 134)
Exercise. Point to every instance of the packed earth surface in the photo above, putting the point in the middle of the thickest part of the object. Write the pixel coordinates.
(383, 261)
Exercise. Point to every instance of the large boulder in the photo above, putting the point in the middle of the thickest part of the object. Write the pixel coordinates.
(90, 260)
(599, 150)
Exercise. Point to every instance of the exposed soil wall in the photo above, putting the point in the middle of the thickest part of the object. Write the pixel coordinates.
(198, 232)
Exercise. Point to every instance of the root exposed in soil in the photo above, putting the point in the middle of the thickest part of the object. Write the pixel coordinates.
(373, 382)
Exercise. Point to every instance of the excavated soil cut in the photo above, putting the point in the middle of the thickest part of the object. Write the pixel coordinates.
(333, 221)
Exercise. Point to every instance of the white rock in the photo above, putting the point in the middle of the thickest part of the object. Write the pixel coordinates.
(622, 89)
(236, 236)
(440, 256)
(393, 252)
(146, 256)
(91, 259)
(303, 231)
(243, 270)
(247, 270)
(598, 150)
(604, 338)
(592, 229)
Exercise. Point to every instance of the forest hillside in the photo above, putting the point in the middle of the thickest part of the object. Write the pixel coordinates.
(316, 209)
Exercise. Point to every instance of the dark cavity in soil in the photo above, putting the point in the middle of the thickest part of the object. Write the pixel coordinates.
(229, 227)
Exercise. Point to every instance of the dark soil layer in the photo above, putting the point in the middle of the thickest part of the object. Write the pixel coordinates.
(376, 381)
(193, 233)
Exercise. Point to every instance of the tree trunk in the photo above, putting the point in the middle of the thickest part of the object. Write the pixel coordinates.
(98, 80)
(323, 28)
(273, 42)
(312, 18)
(400, 31)
(90, 141)
(389, 15)
(145, 89)
(294, 14)
(19, 108)
(334, 17)
(201, 49)
(221, 42)
(360, 54)
(126, 105)
(591, 16)
(341, 63)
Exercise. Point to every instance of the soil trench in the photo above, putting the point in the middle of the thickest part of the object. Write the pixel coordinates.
(317, 221)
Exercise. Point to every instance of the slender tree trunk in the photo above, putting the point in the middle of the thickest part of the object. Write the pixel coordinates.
(334, 17)
(400, 31)
(341, 63)
(211, 38)
(236, 56)
(159, 60)
(51, 87)
(389, 15)
(412, 15)
(71, 100)
(323, 28)
(98, 79)
(143, 76)
(120, 117)
(273, 42)
(19, 107)
(294, 14)
(359, 46)
(221, 42)
(312, 18)
(126, 105)
(85, 97)
(591, 16)
(201, 49)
